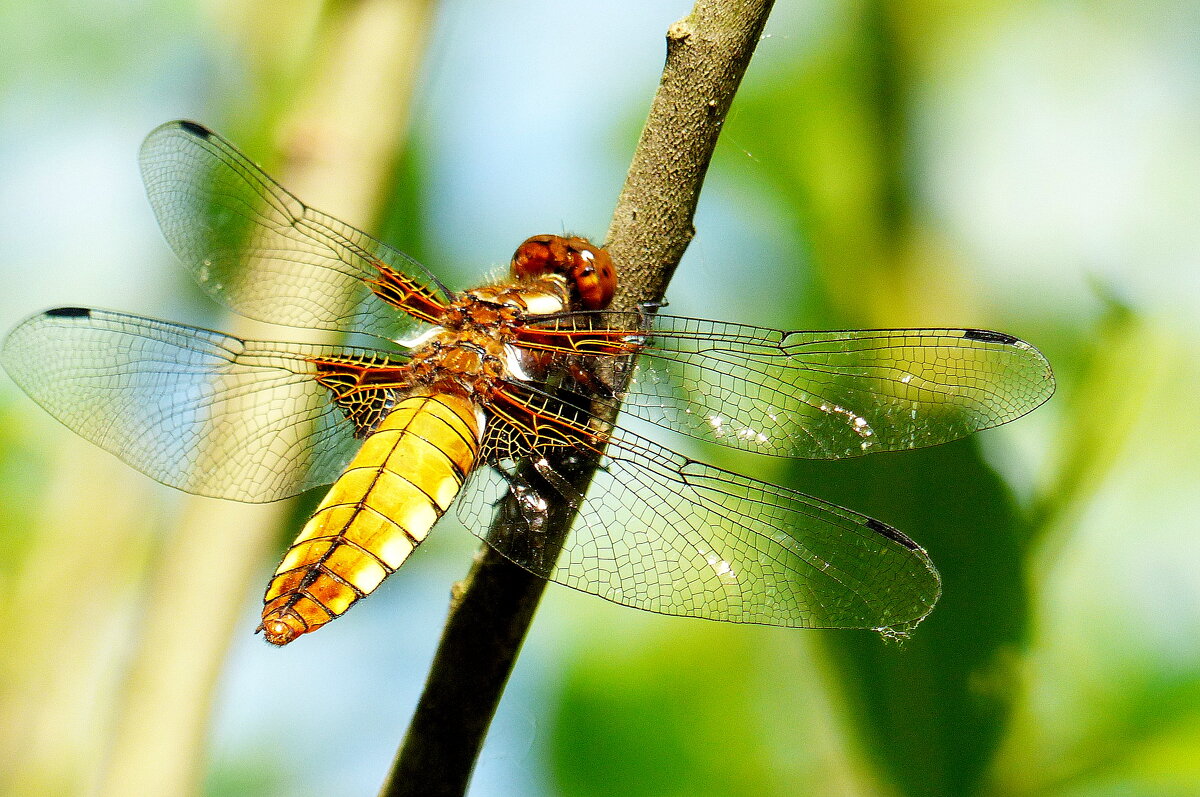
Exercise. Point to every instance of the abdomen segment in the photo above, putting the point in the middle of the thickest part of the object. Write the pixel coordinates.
(402, 480)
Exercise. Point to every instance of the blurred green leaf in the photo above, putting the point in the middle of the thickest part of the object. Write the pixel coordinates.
(691, 708)
(931, 710)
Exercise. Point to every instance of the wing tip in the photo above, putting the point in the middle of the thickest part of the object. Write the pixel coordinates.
(1043, 381)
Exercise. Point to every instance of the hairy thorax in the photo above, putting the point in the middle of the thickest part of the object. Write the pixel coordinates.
(471, 349)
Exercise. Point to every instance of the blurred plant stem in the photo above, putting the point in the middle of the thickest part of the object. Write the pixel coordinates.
(1126, 350)
(57, 623)
(340, 136)
(1117, 700)
(707, 54)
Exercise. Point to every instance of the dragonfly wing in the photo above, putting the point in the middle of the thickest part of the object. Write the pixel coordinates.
(819, 395)
(256, 248)
(667, 534)
(205, 412)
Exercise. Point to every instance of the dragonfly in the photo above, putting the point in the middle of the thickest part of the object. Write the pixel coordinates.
(476, 398)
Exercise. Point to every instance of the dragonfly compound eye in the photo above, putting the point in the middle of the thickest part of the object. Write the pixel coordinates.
(594, 276)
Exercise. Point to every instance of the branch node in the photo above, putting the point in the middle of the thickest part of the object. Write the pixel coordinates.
(679, 32)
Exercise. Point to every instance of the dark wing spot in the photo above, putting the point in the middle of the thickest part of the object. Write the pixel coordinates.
(988, 336)
(69, 312)
(196, 129)
(891, 533)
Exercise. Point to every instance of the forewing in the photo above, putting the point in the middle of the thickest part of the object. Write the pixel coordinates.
(815, 395)
(664, 533)
(205, 412)
(256, 248)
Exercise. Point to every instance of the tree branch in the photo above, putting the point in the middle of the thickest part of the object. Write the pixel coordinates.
(707, 55)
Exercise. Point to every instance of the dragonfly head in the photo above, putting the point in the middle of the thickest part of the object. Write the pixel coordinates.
(587, 267)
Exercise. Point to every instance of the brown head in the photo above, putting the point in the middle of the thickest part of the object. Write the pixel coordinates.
(587, 267)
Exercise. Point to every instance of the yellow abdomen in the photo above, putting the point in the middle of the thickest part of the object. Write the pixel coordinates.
(397, 486)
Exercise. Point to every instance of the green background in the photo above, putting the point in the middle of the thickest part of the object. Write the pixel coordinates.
(1032, 167)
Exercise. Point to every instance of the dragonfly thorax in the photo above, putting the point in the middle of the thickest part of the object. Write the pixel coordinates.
(511, 303)
(465, 361)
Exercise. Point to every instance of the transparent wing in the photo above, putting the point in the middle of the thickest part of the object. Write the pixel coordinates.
(256, 248)
(815, 395)
(205, 412)
(661, 532)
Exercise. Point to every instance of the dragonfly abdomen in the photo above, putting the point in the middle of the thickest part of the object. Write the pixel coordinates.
(382, 506)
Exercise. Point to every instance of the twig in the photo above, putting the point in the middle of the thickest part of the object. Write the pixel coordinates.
(707, 55)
